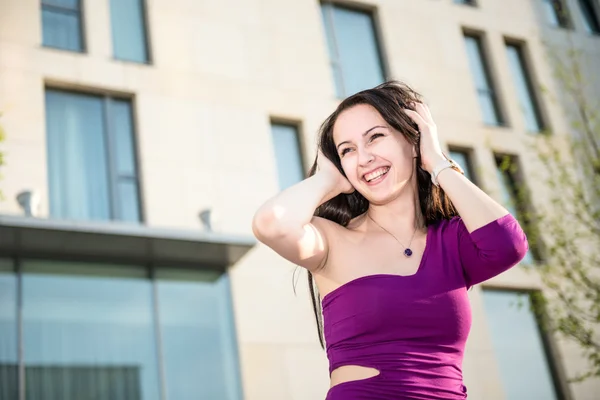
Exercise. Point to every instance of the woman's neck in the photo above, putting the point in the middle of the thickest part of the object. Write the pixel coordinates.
(404, 213)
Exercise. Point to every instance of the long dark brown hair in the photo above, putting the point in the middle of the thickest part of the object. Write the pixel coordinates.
(388, 99)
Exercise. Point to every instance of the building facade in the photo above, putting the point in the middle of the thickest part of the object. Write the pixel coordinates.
(143, 134)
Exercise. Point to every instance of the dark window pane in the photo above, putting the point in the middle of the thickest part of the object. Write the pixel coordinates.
(590, 18)
(61, 30)
(518, 346)
(128, 30)
(198, 335)
(356, 49)
(556, 13)
(287, 155)
(77, 163)
(8, 332)
(89, 336)
(467, 2)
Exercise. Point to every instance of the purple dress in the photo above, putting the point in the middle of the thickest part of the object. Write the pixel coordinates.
(413, 329)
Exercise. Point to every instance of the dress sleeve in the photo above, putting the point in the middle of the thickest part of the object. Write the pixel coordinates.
(491, 249)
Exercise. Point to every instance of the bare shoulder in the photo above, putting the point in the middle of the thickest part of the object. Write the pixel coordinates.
(329, 226)
(336, 234)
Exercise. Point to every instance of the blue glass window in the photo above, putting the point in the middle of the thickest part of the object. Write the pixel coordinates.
(61, 24)
(89, 335)
(486, 95)
(525, 92)
(199, 344)
(128, 21)
(286, 146)
(353, 49)
(512, 196)
(91, 158)
(8, 332)
(518, 346)
(463, 159)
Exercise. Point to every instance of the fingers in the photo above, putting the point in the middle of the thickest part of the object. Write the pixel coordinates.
(416, 117)
(423, 111)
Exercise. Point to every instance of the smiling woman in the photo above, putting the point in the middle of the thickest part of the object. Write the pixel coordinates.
(393, 235)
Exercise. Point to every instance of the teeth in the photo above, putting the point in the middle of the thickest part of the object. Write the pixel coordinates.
(376, 174)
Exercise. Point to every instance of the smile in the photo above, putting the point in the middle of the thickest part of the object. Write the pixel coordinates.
(373, 176)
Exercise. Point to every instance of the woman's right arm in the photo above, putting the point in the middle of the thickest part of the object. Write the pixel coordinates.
(286, 222)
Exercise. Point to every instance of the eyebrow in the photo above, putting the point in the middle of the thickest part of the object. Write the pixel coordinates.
(364, 134)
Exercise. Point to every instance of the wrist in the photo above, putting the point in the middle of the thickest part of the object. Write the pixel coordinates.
(328, 184)
(443, 165)
(431, 163)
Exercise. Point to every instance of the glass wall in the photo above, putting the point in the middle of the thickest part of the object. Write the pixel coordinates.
(8, 331)
(92, 331)
(519, 348)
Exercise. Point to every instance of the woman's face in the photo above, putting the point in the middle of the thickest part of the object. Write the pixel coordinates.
(377, 159)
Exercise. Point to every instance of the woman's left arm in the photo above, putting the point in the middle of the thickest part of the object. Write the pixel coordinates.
(490, 240)
(474, 206)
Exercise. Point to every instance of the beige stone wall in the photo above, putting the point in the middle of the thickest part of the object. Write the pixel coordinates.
(220, 70)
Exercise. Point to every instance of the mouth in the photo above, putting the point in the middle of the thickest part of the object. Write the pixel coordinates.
(376, 176)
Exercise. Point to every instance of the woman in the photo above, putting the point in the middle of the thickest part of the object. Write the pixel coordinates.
(394, 235)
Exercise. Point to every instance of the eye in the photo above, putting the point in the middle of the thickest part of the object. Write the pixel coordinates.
(344, 151)
(375, 136)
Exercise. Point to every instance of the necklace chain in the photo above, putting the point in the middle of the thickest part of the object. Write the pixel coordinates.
(407, 250)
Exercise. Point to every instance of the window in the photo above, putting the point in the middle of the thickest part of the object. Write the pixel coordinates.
(91, 157)
(79, 330)
(486, 93)
(589, 12)
(463, 158)
(107, 331)
(525, 92)
(199, 343)
(128, 20)
(61, 24)
(556, 13)
(9, 359)
(286, 146)
(466, 2)
(518, 346)
(513, 195)
(353, 49)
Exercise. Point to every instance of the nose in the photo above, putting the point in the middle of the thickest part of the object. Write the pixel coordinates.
(365, 157)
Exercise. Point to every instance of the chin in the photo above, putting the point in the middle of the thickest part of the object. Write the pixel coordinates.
(380, 198)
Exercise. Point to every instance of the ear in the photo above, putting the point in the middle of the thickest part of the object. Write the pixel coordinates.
(414, 151)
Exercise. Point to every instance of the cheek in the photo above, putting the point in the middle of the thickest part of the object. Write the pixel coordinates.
(349, 168)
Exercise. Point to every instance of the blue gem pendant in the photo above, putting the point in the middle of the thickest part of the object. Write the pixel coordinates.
(408, 252)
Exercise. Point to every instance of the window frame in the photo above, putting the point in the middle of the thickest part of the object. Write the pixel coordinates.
(564, 19)
(469, 155)
(109, 138)
(493, 89)
(595, 15)
(80, 12)
(335, 65)
(300, 142)
(468, 3)
(522, 200)
(134, 270)
(551, 352)
(529, 74)
(147, 39)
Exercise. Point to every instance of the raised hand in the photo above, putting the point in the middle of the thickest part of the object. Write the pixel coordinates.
(325, 166)
(431, 152)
